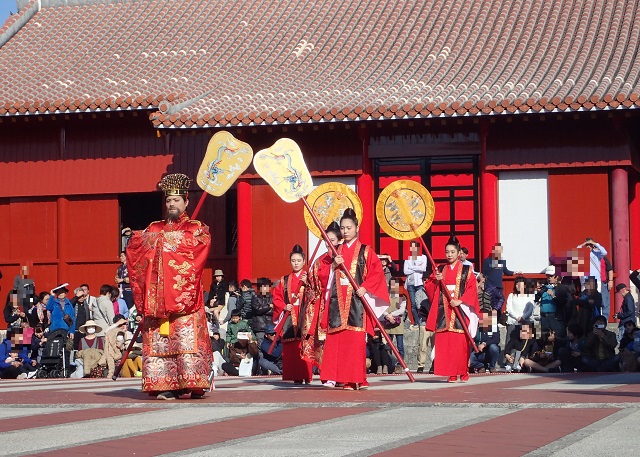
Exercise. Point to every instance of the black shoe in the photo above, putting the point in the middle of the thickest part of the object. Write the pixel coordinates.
(420, 370)
(431, 370)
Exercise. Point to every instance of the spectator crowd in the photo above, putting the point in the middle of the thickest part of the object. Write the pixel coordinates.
(551, 325)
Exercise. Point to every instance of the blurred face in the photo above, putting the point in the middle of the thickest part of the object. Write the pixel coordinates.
(525, 332)
(297, 262)
(25, 271)
(349, 230)
(46, 298)
(123, 258)
(463, 256)
(451, 253)
(414, 249)
(394, 288)
(216, 336)
(176, 205)
(552, 279)
(264, 289)
(629, 327)
(497, 252)
(61, 295)
(270, 336)
(85, 289)
(520, 287)
(235, 319)
(16, 339)
(219, 278)
(232, 288)
(14, 301)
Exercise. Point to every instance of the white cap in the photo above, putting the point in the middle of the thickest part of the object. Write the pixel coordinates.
(550, 270)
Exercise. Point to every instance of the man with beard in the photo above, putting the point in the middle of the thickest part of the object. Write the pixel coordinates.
(166, 263)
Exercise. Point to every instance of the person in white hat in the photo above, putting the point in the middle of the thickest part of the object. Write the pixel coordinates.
(218, 293)
(546, 295)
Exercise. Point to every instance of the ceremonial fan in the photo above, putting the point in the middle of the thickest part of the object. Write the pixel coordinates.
(226, 158)
(405, 211)
(282, 167)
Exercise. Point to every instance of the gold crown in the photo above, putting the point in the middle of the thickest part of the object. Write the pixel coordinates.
(175, 184)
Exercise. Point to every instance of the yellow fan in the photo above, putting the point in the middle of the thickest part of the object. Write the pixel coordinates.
(405, 210)
(226, 159)
(283, 167)
(328, 201)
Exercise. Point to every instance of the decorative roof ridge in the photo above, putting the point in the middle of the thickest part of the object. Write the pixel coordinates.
(166, 107)
(15, 22)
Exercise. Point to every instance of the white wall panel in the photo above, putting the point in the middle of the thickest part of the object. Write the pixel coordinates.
(524, 219)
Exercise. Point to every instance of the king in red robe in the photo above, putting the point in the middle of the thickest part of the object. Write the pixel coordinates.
(452, 348)
(166, 266)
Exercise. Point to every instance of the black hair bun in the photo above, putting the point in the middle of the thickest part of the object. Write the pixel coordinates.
(297, 249)
(349, 212)
(453, 241)
(333, 227)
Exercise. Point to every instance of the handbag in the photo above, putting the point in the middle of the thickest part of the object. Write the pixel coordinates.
(387, 324)
(99, 371)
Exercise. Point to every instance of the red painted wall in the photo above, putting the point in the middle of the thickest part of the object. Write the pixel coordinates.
(578, 208)
(277, 227)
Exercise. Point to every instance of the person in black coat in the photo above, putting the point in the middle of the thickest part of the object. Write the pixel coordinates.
(262, 309)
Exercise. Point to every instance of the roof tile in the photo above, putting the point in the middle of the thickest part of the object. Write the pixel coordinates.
(336, 61)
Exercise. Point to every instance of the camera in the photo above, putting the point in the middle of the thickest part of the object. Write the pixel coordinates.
(599, 326)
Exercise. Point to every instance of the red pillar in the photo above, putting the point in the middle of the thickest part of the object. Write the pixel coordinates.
(634, 221)
(245, 238)
(62, 209)
(364, 186)
(488, 199)
(620, 211)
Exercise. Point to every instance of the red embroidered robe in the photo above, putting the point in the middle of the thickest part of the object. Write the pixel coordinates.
(166, 265)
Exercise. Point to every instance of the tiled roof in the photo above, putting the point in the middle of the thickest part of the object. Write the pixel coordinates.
(206, 63)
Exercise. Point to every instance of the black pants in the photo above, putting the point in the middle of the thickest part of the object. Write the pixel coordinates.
(549, 321)
(379, 356)
(12, 372)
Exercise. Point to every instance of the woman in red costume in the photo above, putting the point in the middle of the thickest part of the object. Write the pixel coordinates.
(287, 296)
(314, 317)
(452, 349)
(347, 322)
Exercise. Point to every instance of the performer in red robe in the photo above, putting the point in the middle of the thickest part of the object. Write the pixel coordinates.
(344, 357)
(452, 348)
(313, 327)
(166, 265)
(287, 298)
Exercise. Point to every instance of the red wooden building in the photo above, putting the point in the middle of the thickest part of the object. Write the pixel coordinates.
(520, 117)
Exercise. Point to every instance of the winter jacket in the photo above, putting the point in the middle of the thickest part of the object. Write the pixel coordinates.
(233, 329)
(262, 312)
(244, 303)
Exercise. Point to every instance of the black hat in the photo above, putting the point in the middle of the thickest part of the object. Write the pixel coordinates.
(620, 286)
(235, 312)
(263, 282)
